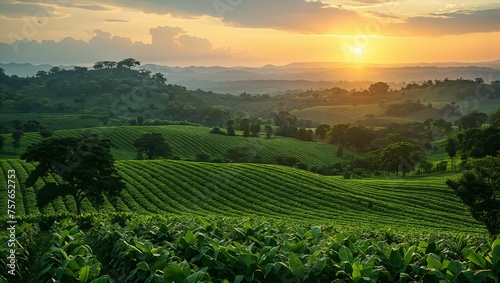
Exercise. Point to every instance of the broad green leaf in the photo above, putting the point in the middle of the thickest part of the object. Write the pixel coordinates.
(433, 261)
(466, 276)
(345, 254)
(84, 274)
(475, 258)
(296, 266)
(196, 277)
(239, 278)
(190, 239)
(409, 255)
(481, 275)
(143, 265)
(454, 267)
(73, 265)
(172, 273)
(356, 271)
(316, 230)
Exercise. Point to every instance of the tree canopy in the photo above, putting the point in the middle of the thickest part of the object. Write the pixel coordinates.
(153, 145)
(479, 189)
(85, 165)
(401, 156)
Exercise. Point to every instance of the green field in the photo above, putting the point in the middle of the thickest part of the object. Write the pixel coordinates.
(270, 191)
(187, 141)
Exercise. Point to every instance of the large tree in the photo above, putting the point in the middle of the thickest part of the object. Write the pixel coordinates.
(452, 148)
(479, 189)
(85, 166)
(129, 63)
(322, 130)
(379, 88)
(401, 156)
(153, 145)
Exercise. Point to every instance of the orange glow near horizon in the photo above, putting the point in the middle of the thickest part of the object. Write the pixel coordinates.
(351, 38)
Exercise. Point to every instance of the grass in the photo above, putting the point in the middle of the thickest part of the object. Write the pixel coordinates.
(187, 141)
(267, 191)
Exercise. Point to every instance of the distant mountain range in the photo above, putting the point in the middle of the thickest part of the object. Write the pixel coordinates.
(299, 76)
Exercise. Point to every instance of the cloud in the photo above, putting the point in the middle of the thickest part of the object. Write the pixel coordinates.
(90, 7)
(288, 15)
(170, 45)
(117, 21)
(383, 15)
(15, 10)
(460, 22)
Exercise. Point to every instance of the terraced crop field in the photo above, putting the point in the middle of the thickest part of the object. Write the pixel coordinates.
(424, 205)
(187, 141)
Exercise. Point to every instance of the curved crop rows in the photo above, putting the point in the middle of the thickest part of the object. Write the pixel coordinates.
(271, 191)
(187, 141)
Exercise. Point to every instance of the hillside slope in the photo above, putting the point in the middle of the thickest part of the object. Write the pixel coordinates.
(271, 191)
(187, 141)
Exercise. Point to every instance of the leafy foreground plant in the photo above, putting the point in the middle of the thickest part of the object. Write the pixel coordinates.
(132, 248)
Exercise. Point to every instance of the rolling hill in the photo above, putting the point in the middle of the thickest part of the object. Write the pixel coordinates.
(267, 191)
(187, 141)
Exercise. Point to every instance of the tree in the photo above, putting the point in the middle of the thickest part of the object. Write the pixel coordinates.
(269, 131)
(378, 88)
(203, 157)
(255, 129)
(245, 127)
(340, 151)
(132, 122)
(129, 63)
(140, 120)
(478, 187)
(153, 145)
(358, 137)
(495, 119)
(16, 135)
(85, 166)
(451, 148)
(401, 156)
(98, 66)
(322, 130)
(337, 134)
(230, 127)
(472, 120)
(159, 78)
(45, 133)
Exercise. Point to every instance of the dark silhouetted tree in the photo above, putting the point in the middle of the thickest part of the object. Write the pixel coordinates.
(269, 131)
(479, 187)
(401, 156)
(322, 130)
(45, 133)
(203, 157)
(129, 63)
(85, 166)
(16, 135)
(452, 148)
(153, 145)
(378, 88)
(340, 151)
(140, 120)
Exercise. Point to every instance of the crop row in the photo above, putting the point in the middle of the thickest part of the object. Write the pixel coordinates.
(278, 192)
(186, 142)
(125, 247)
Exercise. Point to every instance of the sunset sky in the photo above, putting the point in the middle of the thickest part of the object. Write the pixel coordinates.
(248, 32)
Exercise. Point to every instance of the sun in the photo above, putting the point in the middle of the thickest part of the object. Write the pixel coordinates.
(358, 51)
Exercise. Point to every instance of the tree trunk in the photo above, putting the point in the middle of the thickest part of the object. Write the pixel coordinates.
(78, 202)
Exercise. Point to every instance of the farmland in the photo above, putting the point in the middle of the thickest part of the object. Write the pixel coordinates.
(187, 141)
(277, 192)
